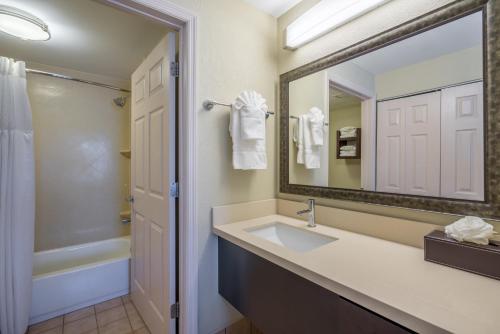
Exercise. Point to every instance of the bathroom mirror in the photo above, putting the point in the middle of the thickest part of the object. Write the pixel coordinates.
(399, 119)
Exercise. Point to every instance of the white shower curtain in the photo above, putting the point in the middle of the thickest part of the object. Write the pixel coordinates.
(17, 198)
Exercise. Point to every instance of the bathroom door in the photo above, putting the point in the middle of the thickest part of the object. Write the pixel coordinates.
(153, 170)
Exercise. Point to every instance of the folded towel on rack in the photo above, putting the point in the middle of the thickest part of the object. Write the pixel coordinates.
(253, 108)
(347, 153)
(307, 154)
(317, 123)
(348, 148)
(248, 153)
(298, 138)
(347, 132)
(347, 129)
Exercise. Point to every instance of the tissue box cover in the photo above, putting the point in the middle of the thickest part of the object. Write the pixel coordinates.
(478, 259)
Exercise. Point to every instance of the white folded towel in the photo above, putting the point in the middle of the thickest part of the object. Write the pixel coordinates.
(347, 129)
(298, 138)
(253, 109)
(347, 132)
(307, 153)
(247, 153)
(347, 153)
(348, 148)
(317, 123)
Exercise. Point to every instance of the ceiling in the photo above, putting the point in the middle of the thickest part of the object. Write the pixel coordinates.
(86, 36)
(340, 99)
(452, 37)
(273, 7)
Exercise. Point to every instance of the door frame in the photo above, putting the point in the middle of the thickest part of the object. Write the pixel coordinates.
(185, 23)
(368, 124)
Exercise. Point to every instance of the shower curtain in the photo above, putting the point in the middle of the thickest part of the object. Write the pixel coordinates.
(17, 198)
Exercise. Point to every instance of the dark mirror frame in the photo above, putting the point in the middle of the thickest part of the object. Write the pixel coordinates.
(490, 207)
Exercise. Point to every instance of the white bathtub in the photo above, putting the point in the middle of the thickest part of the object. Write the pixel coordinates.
(69, 278)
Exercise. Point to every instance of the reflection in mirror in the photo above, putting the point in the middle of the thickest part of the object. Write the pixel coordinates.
(406, 118)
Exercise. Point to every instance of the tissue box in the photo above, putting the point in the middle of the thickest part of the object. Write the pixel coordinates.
(478, 259)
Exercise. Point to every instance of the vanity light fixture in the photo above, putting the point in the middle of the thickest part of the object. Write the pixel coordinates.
(324, 17)
(22, 24)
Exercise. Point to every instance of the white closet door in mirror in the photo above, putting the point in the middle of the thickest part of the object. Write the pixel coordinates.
(408, 145)
(462, 141)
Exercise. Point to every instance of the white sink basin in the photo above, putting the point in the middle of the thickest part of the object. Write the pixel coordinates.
(293, 238)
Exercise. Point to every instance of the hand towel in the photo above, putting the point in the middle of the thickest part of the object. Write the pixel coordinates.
(252, 107)
(312, 153)
(347, 129)
(247, 153)
(347, 153)
(347, 132)
(298, 138)
(316, 123)
(348, 148)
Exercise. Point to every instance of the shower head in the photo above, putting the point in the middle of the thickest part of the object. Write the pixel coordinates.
(120, 101)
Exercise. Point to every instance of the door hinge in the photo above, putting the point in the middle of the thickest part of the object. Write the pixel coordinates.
(174, 189)
(175, 310)
(174, 69)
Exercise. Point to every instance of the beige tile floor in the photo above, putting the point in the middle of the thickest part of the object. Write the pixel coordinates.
(115, 316)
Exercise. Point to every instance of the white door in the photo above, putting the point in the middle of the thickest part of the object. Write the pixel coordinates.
(153, 169)
(422, 147)
(408, 145)
(390, 146)
(463, 142)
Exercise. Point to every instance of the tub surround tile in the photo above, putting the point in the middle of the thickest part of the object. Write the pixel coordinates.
(121, 326)
(81, 326)
(46, 325)
(108, 304)
(110, 315)
(79, 314)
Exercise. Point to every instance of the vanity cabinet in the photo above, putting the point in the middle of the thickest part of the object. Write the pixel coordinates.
(279, 301)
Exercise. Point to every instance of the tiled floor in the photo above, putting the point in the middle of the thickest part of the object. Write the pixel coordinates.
(115, 316)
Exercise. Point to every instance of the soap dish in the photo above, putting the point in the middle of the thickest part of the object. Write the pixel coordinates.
(479, 259)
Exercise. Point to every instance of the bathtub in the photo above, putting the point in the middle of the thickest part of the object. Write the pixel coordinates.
(69, 278)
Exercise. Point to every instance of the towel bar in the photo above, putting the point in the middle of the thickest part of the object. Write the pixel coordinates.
(295, 117)
(209, 105)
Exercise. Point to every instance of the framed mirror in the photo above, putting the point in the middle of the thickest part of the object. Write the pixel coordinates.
(406, 118)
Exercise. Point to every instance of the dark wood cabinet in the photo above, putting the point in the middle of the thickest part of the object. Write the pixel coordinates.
(278, 301)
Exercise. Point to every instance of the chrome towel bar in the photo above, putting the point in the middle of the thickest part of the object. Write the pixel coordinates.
(209, 105)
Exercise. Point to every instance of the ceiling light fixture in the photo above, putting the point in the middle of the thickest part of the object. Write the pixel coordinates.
(324, 17)
(21, 24)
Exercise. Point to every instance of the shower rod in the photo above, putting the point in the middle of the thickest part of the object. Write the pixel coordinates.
(65, 77)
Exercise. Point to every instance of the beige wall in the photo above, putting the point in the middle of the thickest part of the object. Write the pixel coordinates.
(453, 68)
(237, 47)
(305, 93)
(343, 173)
(81, 178)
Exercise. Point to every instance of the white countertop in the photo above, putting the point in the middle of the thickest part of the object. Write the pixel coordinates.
(389, 278)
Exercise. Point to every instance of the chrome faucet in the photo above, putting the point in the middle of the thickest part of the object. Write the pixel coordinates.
(310, 210)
